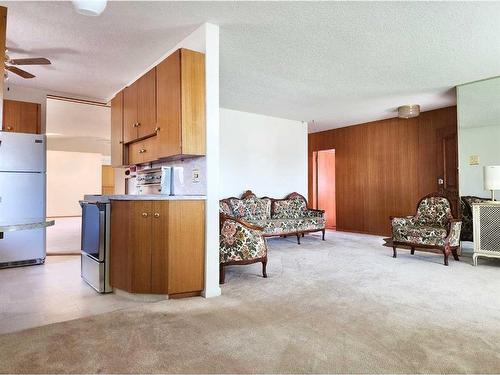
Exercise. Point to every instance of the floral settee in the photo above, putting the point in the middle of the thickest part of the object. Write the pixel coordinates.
(432, 227)
(466, 202)
(276, 217)
(246, 221)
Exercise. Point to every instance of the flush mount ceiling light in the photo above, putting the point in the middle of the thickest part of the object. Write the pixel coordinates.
(408, 111)
(90, 7)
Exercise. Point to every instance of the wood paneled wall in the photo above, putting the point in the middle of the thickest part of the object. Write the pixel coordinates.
(383, 167)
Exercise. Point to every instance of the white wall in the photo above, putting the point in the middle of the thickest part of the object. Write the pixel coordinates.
(484, 142)
(25, 94)
(71, 175)
(267, 155)
(478, 112)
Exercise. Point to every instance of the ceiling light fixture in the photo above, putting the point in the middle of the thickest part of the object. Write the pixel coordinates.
(408, 111)
(90, 7)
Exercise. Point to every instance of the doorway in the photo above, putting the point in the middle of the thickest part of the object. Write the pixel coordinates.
(447, 165)
(324, 185)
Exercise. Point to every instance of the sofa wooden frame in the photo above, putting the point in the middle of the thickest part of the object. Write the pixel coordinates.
(446, 249)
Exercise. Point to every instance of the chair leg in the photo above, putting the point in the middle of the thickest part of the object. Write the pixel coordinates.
(222, 274)
(264, 265)
(455, 254)
(412, 250)
(446, 252)
(394, 253)
(323, 234)
(298, 238)
(303, 234)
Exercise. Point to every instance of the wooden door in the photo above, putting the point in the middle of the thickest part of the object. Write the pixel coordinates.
(159, 251)
(130, 257)
(146, 104)
(186, 246)
(121, 256)
(117, 130)
(11, 115)
(326, 186)
(130, 113)
(140, 243)
(30, 118)
(193, 102)
(108, 180)
(168, 109)
(447, 182)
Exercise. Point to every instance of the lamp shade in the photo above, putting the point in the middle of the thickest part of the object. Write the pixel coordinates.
(492, 177)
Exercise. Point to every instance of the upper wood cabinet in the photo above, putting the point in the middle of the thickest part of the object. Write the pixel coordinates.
(139, 108)
(21, 117)
(180, 83)
(117, 149)
(165, 108)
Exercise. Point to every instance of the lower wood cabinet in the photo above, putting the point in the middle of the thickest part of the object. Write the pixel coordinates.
(158, 247)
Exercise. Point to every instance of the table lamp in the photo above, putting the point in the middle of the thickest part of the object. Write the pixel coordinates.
(492, 179)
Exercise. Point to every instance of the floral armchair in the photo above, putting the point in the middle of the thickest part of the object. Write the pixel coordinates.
(466, 202)
(432, 227)
(240, 242)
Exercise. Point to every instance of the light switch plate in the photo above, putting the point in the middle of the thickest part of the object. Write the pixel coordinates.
(474, 160)
(196, 175)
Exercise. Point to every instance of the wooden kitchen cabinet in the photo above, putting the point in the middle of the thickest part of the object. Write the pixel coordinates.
(21, 117)
(158, 247)
(117, 148)
(180, 84)
(166, 107)
(143, 151)
(139, 108)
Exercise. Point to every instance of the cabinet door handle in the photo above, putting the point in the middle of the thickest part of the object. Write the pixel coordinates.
(142, 151)
(144, 214)
(136, 125)
(157, 129)
(157, 215)
(9, 127)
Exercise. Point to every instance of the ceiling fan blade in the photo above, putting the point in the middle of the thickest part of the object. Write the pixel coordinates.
(19, 72)
(30, 61)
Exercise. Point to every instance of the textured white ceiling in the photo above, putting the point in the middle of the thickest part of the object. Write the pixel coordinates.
(337, 63)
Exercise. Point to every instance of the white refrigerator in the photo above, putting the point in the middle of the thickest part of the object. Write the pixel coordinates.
(22, 196)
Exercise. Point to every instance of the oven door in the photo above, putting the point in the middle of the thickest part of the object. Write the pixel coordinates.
(94, 230)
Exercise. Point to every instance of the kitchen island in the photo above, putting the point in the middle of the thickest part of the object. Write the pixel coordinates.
(157, 244)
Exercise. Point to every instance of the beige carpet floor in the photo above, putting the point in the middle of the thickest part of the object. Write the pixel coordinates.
(344, 305)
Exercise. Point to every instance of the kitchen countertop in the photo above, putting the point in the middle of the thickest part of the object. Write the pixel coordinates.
(25, 224)
(155, 197)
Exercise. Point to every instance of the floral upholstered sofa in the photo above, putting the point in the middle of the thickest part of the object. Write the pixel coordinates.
(277, 217)
(246, 221)
(432, 227)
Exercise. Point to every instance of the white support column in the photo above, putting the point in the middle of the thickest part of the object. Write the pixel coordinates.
(212, 288)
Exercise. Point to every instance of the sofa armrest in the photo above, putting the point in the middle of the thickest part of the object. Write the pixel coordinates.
(311, 212)
(453, 238)
(224, 217)
(239, 242)
(402, 221)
